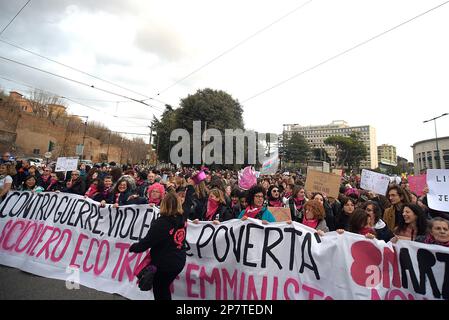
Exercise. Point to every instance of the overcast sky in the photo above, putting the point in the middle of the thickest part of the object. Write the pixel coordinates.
(393, 82)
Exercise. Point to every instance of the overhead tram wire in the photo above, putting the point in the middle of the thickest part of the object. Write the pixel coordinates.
(3, 30)
(80, 71)
(233, 47)
(78, 82)
(344, 52)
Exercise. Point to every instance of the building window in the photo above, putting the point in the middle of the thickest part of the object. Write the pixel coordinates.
(36, 151)
(446, 158)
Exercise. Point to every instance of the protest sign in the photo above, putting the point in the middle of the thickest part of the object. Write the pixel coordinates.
(66, 164)
(280, 214)
(49, 234)
(438, 183)
(373, 181)
(338, 172)
(327, 183)
(417, 184)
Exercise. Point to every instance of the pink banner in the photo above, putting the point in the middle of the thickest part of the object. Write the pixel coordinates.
(417, 184)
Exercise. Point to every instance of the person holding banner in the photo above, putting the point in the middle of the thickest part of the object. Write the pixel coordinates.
(155, 194)
(76, 184)
(439, 233)
(413, 224)
(296, 203)
(342, 221)
(5, 180)
(30, 184)
(256, 209)
(216, 208)
(314, 217)
(375, 222)
(166, 238)
(331, 210)
(360, 223)
(398, 198)
(274, 197)
(123, 193)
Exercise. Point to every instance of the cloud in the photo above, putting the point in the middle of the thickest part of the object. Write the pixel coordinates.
(163, 42)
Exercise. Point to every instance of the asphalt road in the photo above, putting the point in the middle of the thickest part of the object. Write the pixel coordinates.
(18, 285)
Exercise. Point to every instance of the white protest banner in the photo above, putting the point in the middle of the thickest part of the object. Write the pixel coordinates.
(46, 233)
(66, 164)
(50, 234)
(438, 183)
(373, 181)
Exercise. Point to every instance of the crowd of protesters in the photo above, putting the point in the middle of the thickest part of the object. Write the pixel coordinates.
(215, 196)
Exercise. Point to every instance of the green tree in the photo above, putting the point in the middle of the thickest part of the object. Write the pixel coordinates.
(214, 108)
(349, 150)
(295, 149)
(320, 154)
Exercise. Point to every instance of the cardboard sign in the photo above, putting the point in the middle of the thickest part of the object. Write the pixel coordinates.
(438, 183)
(373, 181)
(66, 164)
(281, 214)
(417, 184)
(338, 172)
(322, 182)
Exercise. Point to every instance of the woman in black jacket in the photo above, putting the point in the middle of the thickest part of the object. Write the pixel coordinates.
(166, 238)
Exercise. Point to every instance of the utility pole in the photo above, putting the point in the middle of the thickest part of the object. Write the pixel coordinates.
(84, 136)
(109, 143)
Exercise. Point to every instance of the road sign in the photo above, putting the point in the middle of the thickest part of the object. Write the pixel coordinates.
(47, 155)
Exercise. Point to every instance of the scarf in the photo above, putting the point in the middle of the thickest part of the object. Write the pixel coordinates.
(299, 202)
(251, 212)
(52, 183)
(106, 191)
(287, 194)
(365, 230)
(91, 191)
(313, 223)
(212, 206)
(431, 240)
(155, 201)
(276, 203)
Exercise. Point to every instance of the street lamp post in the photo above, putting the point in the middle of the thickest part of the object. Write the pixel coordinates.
(84, 135)
(436, 136)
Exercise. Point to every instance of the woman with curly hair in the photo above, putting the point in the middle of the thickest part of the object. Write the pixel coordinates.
(155, 194)
(255, 208)
(314, 215)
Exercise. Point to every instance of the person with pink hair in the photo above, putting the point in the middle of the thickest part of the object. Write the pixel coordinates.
(155, 194)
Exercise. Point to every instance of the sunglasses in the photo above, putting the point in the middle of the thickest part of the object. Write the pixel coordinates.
(274, 190)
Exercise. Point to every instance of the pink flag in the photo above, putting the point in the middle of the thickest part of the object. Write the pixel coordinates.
(247, 178)
(417, 184)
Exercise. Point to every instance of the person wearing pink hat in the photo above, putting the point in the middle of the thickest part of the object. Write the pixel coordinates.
(155, 194)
